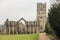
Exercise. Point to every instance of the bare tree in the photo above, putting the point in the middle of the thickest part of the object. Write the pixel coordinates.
(55, 1)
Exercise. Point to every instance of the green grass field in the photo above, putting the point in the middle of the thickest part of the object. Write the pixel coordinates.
(19, 37)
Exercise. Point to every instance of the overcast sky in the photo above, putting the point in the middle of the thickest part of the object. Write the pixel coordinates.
(15, 9)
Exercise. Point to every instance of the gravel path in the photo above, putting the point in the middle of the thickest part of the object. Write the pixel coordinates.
(42, 36)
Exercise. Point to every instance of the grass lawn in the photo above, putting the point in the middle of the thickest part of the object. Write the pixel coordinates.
(19, 37)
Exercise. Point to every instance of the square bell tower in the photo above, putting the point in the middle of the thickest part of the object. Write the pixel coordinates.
(41, 16)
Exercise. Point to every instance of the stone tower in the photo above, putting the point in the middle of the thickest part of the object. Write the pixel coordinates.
(41, 16)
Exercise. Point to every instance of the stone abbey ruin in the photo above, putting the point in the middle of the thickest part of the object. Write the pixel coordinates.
(17, 27)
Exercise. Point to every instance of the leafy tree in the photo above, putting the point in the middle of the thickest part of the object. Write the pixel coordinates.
(48, 29)
(54, 18)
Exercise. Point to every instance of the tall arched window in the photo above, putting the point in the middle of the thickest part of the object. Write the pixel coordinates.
(41, 27)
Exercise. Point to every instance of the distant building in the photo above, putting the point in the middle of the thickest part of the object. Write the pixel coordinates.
(17, 27)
